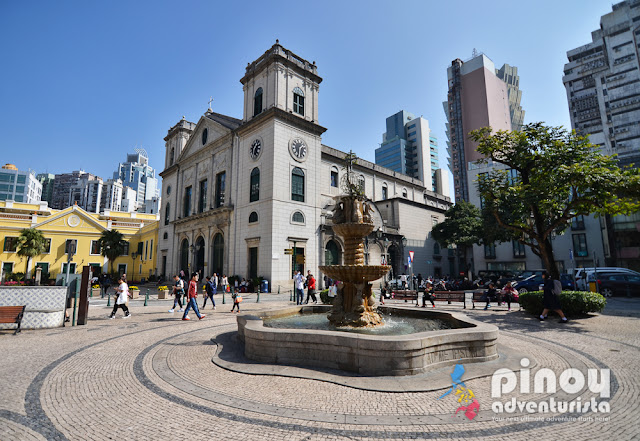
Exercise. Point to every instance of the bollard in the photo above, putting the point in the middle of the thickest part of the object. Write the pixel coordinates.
(146, 297)
(258, 297)
(290, 296)
(108, 299)
(223, 292)
(278, 289)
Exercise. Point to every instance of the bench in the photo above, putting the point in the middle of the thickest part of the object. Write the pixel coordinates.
(448, 296)
(12, 314)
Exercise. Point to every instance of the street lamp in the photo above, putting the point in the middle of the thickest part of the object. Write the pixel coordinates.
(133, 259)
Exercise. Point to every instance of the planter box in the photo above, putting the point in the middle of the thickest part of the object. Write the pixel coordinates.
(164, 294)
(135, 293)
(95, 292)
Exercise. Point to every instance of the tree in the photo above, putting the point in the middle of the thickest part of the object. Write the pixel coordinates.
(462, 227)
(112, 245)
(549, 176)
(31, 243)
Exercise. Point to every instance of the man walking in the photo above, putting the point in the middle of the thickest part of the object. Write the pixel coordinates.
(298, 281)
(193, 295)
(311, 288)
(178, 291)
(210, 289)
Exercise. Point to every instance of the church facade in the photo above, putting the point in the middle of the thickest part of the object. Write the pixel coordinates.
(253, 196)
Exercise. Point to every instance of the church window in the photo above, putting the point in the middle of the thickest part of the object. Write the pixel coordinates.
(297, 217)
(220, 186)
(165, 236)
(254, 190)
(202, 201)
(167, 214)
(187, 202)
(173, 153)
(385, 192)
(404, 192)
(257, 102)
(298, 101)
(253, 217)
(334, 177)
(297, 185)
(205, 134)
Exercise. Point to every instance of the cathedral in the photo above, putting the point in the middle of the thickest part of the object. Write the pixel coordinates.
(252, 197)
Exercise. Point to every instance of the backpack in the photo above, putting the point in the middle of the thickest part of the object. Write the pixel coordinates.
(557, 287)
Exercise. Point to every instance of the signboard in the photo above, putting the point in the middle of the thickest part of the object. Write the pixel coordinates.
(411, 256)
(300, 258)
(288, 250)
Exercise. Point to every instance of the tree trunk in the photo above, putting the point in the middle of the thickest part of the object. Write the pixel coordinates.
(26, 270)
(546, 253)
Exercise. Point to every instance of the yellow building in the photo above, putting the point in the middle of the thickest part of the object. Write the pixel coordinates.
(59, 227)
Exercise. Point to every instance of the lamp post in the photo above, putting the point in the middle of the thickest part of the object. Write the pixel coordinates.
(133, 259)
(404, 247)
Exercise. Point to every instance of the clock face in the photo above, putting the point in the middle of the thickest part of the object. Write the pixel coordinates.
(299, 149)
(255, 149)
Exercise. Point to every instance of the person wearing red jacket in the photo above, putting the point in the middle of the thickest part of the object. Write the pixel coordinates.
(311, 288)
(193, 294)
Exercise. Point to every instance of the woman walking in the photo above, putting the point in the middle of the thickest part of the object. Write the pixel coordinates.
(121, 301)
(550, 301)
(193, 295)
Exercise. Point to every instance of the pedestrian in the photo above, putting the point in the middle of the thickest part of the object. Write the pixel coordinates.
(178, 291)
(237, 299)
(106, 284)
(311, 288)
(490, 294)
(121, 301)
(403, 281)
(419, 280)
(428, 294)
(215, 281)
(193, 295)
(550, 300)
(509, 292)
(210, 290)
(298, 282)
(224, 283)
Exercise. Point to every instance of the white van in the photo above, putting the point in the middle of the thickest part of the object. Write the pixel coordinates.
(586, 275)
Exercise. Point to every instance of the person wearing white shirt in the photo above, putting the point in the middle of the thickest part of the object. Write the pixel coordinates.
(121, 301)
(299, 285)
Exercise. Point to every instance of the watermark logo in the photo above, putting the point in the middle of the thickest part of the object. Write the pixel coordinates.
(463, 393)
(571, 381)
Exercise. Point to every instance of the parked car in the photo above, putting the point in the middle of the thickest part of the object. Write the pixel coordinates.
(535, 282)
(586, 275)
(618, 284)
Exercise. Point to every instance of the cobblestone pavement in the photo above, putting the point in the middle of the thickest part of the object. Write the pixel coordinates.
(150, 377)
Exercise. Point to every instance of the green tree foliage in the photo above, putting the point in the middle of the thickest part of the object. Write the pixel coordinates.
(31, 243)
(112, 245)
(550, 176)
(462, 226)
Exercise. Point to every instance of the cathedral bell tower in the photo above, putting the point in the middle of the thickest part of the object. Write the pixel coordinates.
(281, 79)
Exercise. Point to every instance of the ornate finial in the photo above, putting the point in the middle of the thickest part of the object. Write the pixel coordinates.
(350, 183)
(182, 117)
(210, 101)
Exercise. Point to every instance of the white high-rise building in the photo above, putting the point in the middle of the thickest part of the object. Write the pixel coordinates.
(19, 186)
(140, 176)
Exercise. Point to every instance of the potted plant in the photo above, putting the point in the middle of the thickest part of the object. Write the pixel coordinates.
(163, 292)
(134, 291)
(95, 290)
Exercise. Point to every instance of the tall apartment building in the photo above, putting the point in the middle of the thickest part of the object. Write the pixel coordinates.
(409, 148)
(112, 195)
(62, 185)
(509, 74)
(19, 186)
(602, 80)
(47, 180)
(137, 174)
(477, 98)
(87, 194)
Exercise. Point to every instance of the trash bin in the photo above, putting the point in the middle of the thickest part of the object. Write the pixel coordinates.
(264, 286)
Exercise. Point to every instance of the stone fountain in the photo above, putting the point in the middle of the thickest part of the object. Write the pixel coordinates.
(354, 304)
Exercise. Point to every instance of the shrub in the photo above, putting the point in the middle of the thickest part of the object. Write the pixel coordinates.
(163, 288)
(574, 303)
(131, 288)
(324, 297)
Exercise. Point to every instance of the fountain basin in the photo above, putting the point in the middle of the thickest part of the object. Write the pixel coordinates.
(374, 355)
(355, 273)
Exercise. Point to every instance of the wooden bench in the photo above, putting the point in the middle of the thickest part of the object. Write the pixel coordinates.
(448, 296)
(12, 314)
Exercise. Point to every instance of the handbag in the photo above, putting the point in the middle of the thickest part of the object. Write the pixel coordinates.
(239, 299)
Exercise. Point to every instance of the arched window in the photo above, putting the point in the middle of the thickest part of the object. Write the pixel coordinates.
(165, 236)
(385, 192)
(297, 185)
(167, 213)
(257, 102)
(436, 249)
(404, 192)
(218, 254)
(253, 217)
(298, 101)
(297, 217)
(198, 265)
(334, 177)
(254, 190)
(171, 158)
(184, 256)
(332, 253)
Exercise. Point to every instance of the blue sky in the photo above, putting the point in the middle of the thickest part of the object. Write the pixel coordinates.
(85, 82)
